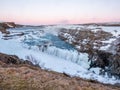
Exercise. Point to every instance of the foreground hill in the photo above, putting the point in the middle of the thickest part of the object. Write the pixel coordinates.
(22, 75)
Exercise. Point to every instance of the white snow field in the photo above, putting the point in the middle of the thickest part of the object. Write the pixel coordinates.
(43, 45)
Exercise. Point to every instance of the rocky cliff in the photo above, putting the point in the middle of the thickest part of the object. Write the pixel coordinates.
(6, 25)
(90, 41)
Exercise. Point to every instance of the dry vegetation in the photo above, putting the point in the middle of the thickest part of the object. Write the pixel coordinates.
(28, 77)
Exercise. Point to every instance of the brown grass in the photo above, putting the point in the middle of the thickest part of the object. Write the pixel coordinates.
(26, 77)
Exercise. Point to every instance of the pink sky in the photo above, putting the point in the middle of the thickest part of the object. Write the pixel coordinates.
(38, 12)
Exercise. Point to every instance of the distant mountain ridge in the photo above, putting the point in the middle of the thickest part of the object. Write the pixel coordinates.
(103, 24)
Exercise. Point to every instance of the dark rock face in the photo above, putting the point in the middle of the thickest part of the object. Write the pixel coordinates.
(6, 25)
(99, 59)
(12, 59)
(114, 65)
(115, 46)
(110, 59)
(27, 62)
(9, 59)
(114, 60)
(3, 30)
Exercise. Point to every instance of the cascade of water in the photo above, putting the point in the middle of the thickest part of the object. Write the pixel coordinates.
(52, 45)
(70, 55)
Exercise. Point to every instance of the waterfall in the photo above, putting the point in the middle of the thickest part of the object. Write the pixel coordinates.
(70, 55)
(59, 49)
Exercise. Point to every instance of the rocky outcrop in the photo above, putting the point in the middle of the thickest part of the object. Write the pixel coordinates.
(84, 40)
(90, 42)
(115, 46)
(109, 59)
(114, 59)
(6, 25)
(3, 30)
(13, 60)
(99, 58)
(108, 62)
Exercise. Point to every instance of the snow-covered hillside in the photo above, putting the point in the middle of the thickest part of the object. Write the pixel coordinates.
(42, 46)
